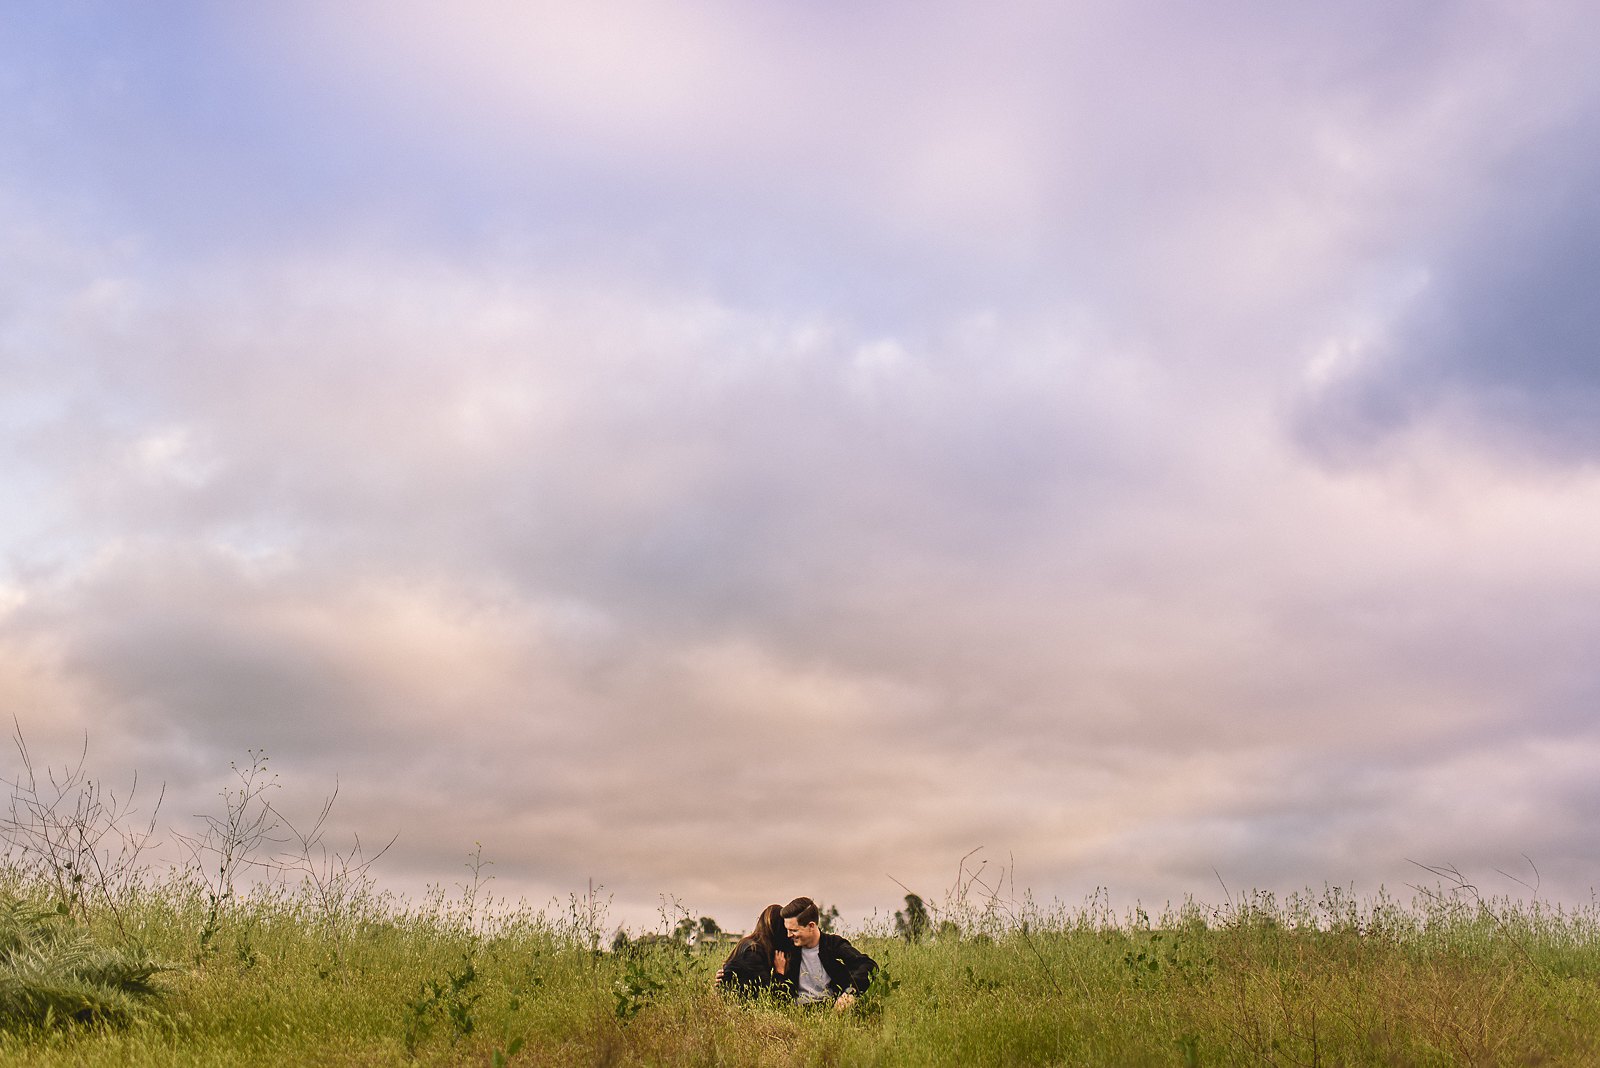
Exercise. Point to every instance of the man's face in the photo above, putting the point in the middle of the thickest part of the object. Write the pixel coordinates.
(805, 937)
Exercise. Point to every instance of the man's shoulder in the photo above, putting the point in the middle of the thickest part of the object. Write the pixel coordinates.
(831, 942)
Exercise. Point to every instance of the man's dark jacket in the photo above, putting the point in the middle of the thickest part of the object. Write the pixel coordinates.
(849, 970)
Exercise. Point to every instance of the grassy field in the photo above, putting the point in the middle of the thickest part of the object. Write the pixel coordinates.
(280, 976)
(268, 947)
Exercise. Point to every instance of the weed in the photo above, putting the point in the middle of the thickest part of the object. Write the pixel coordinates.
(53, 972)
(451, 999)
(872, 1001)
(510, 1045)
(336, 882)
(638, 986)
(71, 833)
(231, 844)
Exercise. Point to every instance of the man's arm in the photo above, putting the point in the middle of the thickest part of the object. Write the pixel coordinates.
(859, 965)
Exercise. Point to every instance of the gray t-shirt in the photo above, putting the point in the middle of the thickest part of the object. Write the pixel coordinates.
(813, 977)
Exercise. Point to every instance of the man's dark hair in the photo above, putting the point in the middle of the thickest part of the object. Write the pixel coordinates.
(801, 910)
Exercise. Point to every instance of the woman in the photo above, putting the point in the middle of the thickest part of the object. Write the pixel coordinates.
(758, 962)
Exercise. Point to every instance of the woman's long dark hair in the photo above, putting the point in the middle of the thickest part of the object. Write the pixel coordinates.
(769, 933)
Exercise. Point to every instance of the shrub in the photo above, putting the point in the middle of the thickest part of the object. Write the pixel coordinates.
(52, 971)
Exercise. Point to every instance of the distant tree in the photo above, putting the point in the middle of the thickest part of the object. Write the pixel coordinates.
(620, 943)
(827, 918)
(684, 931)
(912, 924)
(709, 928)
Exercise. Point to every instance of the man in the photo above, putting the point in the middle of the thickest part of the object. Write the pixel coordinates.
(825, 967)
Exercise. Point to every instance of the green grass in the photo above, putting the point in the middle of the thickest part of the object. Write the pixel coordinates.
(1317, 979)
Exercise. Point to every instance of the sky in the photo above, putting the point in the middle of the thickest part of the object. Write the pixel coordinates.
(725, 451)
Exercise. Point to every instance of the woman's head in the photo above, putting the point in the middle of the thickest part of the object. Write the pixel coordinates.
(769, 930)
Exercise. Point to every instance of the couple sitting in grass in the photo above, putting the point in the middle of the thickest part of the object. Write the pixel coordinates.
(789, 955)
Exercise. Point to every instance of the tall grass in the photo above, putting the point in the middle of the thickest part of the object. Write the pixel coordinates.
(103, 960)
(1313, 979)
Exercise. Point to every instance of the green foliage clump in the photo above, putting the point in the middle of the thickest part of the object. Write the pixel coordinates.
(53, 972)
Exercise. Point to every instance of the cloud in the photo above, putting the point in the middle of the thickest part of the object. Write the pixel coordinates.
(859, 446)
(1486, 326)
(617, 575)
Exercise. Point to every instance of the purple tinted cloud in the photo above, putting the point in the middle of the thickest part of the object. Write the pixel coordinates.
(551, 426)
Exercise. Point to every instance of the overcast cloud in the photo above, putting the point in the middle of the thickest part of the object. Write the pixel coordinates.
(732, 453)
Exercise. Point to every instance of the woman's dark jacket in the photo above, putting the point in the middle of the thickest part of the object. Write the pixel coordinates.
(749, 970)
